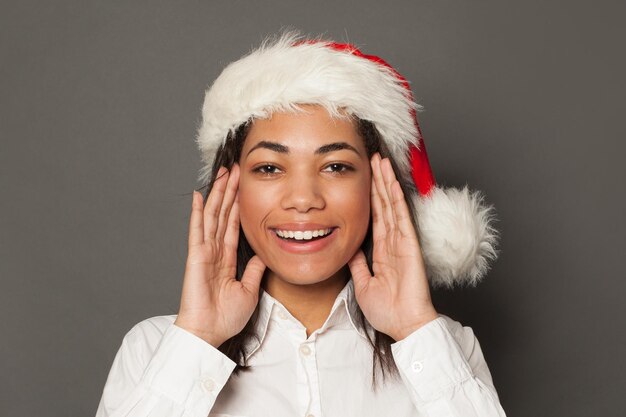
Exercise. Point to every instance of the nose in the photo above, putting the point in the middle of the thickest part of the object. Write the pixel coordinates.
(302, 193)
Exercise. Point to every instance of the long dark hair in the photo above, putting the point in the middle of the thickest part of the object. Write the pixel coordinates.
(227, 155)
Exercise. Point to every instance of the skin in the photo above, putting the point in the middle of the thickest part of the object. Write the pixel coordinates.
(269, 188)
(277, 187)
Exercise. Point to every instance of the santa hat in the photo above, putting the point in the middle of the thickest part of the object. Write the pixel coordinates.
(454, 226)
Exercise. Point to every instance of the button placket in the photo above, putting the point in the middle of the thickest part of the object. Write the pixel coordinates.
(308, 365)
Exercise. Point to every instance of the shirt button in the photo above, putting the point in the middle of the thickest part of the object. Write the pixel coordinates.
(417, 366)
(208, 384)
(305, 350)
(282, 314)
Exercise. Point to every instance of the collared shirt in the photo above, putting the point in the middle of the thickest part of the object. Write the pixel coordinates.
(162, 370)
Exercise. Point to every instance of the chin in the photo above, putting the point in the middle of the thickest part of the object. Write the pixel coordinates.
(305, 274)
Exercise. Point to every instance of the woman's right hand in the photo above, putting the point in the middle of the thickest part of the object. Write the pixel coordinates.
(214, 305)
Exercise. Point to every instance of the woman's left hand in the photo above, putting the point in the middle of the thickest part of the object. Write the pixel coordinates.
(396, 300)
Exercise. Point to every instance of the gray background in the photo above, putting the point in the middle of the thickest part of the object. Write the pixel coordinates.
(99, 106)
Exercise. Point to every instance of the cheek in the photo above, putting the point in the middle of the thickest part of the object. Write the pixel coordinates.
(356, 208)
(251, 203)
(256, 201)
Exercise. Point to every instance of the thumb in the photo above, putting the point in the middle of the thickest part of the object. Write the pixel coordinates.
(253, 274)
(359, 270)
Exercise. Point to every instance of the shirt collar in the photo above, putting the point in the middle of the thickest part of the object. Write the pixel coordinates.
(344, 311)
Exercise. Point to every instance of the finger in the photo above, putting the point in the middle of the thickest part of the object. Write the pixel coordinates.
(253, 274)
(231, 236)
(388, 178)
(401, 210)
(213, 204)
(385, 202)
(360, 271)
(227, 203)
(378, 225)
(196, 230)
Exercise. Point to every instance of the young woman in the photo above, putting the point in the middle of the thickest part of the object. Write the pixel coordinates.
(306, 288)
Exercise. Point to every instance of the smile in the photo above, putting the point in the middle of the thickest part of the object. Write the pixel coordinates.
(303, 234)
(304, 241)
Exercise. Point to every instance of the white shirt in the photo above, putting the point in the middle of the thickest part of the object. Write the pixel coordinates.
(162, 370)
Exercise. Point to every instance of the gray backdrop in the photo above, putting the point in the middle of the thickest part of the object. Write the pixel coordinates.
(99, 106)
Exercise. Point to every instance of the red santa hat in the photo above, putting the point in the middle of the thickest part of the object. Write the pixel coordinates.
(455, 226)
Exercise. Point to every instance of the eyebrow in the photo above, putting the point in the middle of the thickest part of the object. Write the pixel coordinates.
(280, 148)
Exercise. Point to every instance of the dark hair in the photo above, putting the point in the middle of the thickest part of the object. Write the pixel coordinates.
(227, 155)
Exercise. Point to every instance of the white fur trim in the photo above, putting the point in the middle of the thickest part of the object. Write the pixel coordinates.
(457, 237)
(455, 230)
(278, 76)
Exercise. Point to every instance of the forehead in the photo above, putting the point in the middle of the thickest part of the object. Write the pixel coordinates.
(304, 131)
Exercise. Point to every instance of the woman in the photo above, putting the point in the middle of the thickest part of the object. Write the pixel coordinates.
(306, 275)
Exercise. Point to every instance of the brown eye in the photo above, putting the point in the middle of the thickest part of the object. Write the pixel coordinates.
(338, 168)
(266, 169)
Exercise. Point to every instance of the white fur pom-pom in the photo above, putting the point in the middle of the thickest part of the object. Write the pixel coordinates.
(457, 237)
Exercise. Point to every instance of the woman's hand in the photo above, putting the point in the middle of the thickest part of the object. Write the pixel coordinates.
(214, 305)
(396, 300)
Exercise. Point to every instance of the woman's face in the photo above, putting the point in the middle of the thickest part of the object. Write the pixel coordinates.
(301, 175)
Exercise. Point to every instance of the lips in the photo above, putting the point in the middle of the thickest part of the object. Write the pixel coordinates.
(298, 244)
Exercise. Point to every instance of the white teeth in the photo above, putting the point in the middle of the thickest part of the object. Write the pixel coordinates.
(303, 234)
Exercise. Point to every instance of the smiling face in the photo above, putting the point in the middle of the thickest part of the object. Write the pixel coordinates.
(304, 194)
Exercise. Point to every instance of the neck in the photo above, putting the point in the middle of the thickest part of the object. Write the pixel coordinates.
(310, 303)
